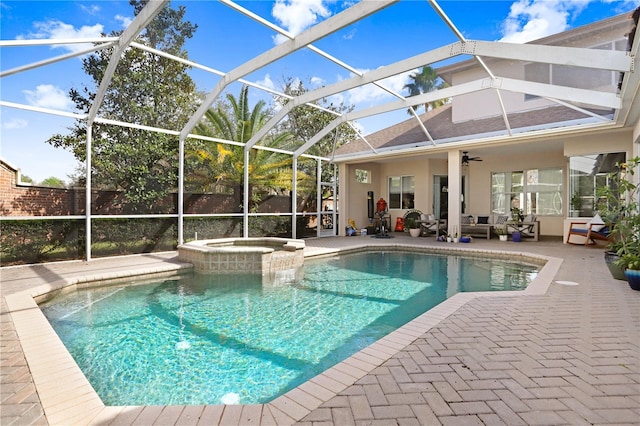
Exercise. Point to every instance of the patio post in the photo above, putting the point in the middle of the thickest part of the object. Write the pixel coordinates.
(87, 201)
(455, 192)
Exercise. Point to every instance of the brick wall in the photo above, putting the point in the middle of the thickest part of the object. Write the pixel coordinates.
(26, 200)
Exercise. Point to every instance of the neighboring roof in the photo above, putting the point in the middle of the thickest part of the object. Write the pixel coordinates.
(442, 129)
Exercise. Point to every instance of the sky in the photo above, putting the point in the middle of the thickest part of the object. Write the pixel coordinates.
(225, 39)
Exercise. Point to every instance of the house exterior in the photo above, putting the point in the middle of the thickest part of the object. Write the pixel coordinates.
(543, 155)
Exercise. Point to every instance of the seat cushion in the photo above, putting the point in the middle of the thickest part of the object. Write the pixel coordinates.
(597, 224)
(502, 219)
(579, 231)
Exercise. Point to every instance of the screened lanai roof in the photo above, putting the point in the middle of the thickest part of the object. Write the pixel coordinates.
(254, 58)
(607, 107)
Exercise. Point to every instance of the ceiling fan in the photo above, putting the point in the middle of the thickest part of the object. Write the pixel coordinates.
(466, 158)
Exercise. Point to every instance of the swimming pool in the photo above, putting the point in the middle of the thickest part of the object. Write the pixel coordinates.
(208, 339)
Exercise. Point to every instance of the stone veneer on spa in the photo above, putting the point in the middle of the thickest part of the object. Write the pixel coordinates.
(266, 256)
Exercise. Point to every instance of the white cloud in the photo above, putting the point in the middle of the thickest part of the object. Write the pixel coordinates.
(371, 93)
(316, 81)
(124, 20)
(267, 82)
(48, 96)
(297, 15)
(90, 9)
(533, 19)
(15, 123)
(55, 29)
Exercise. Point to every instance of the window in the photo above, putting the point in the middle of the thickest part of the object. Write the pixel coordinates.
(401, 192)
(363, 176)
(569, 76)
(588, 173)
(535, 191)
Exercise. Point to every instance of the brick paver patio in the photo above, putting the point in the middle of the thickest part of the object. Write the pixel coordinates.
(568, 356)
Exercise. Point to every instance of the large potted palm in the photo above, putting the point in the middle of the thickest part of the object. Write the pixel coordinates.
(618, 205)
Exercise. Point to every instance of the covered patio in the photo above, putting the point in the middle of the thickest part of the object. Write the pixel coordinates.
(561, 354)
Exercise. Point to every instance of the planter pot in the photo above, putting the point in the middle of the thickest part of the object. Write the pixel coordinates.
(455, 240)
(414, 232)
(616, 272)
(449, 239)
(516, 237)
(502, 237)
(633, 278)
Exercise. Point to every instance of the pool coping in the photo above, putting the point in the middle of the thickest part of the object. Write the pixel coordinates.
(67, 397)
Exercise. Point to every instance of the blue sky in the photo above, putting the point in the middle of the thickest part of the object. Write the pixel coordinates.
(225, 39)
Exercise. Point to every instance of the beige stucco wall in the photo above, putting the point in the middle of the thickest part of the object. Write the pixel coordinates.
(479, 182)
(355, 199)
(465, 107)
(478, 186)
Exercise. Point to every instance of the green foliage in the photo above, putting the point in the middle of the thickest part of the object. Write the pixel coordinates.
(411, 223)
(147, 90)
(261, 226)
(618, 206)
(424, 81)
(517, 215)
(218, 167)
(304, 122)
(130, 236)
(53, 182)
(33, 241)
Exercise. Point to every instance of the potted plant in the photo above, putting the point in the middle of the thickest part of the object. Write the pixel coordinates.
(618, 206)
(501, 232)
(413, 226)
(517, 216)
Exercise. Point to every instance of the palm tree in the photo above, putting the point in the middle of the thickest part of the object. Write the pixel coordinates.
(219, 167)
(424, 81)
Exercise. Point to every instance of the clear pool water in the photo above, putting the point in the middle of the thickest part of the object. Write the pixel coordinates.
(210, 339)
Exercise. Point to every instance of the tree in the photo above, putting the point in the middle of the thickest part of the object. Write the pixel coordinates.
(219, 167)
(424, 81)
(305, 122)
(146, 89)
(53, 182)
(26, 179)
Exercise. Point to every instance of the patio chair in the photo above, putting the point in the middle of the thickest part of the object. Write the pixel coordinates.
(592, 232)
(430, 225)
(528, 226)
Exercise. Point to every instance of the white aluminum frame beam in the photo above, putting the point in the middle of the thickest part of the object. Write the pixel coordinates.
(629, 113)
(128, 35)
(602, 99)
(53, 60)
(615, 61)
(331, 25)
(311, 47)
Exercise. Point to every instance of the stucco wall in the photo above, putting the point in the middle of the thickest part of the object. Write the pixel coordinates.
(479, 182)
(465, 107)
